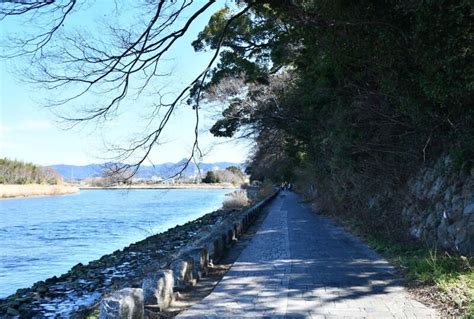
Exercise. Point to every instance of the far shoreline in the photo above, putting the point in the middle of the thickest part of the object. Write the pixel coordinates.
(15, 191)
(162, 186)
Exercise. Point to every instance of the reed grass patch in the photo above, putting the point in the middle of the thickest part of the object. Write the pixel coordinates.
(10, 191)
(235, 200)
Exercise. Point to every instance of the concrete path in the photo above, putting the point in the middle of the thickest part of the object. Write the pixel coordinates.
(301, 265)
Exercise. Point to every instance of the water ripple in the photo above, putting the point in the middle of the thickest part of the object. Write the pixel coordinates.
(43, 237)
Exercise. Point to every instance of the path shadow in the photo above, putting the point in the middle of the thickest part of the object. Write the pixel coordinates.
(326, 272)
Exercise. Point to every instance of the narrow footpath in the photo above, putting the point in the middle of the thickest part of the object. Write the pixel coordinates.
(301, 265)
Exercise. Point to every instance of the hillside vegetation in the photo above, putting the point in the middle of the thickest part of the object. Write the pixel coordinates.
(231, 174)
(347, 99)
(350, 100)
(17, 172)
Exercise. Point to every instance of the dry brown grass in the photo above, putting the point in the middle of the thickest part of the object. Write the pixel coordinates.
(236, 199)
(9, 190)
(265, 190)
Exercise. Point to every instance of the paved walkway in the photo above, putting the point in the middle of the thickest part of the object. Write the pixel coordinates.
(301, 265)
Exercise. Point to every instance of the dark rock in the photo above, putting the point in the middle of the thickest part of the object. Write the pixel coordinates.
(77, 267)
(456, 228)
(12, 312)
(24, 310)
(21, 291)
(24, 299)
(468, 210)
(443, 237)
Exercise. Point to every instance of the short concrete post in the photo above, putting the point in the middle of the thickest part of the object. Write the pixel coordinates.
(225, 240)
(158, 289)
(246, 220)
(232, 235)
(253, 214)
(126, 303)
(217, 247)
(238, 229)
(210, 251)
(183, 273)
(200, 259)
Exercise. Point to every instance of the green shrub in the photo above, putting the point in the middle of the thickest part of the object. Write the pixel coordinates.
(211, 178)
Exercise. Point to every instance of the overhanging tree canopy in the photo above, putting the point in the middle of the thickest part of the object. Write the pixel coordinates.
(366, 85)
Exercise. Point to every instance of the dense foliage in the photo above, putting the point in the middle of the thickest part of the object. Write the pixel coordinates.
(16, 172)
(347, 97)
(210, 178)
(231, 174)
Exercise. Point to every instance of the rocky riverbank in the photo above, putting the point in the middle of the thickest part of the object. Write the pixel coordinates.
(78, 291)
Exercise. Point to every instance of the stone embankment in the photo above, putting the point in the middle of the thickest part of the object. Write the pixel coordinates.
(440, 206)
(143, 277)
(436, 206)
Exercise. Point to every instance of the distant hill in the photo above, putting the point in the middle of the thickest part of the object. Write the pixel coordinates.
(79, 172)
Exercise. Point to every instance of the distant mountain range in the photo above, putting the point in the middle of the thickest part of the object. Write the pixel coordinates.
(79, 172)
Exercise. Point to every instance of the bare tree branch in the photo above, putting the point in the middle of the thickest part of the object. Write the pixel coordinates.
(82, 65)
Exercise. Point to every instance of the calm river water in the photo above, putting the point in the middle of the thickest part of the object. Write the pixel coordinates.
(45, 236)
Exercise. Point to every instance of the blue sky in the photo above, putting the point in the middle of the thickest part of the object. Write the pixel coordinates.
(29, 131)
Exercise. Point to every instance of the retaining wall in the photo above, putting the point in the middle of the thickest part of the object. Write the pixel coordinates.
(188, 266)
(439, 206)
